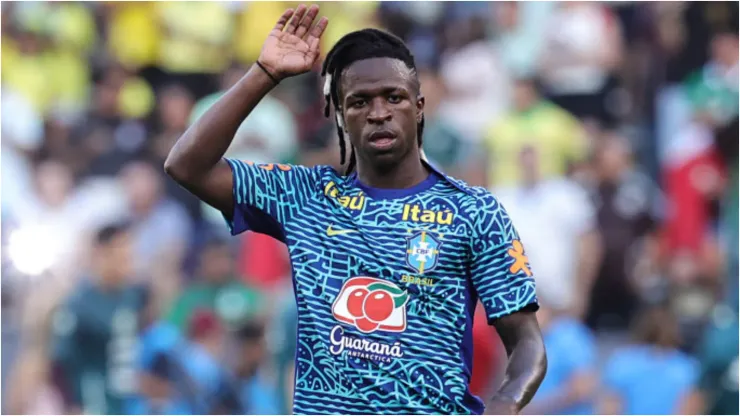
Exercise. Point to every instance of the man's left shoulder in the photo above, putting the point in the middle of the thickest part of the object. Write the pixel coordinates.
(476, 197)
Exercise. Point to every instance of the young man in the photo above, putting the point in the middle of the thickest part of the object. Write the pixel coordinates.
(94, 331)
(390, 258)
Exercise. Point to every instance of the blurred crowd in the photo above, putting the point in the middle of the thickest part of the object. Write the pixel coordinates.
(609, 131)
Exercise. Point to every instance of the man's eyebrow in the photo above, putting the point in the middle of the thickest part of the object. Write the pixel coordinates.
(381, 90)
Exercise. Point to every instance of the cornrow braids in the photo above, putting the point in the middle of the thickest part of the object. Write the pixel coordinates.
(357, 46)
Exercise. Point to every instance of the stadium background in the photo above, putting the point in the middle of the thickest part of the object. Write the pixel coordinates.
(609, 130)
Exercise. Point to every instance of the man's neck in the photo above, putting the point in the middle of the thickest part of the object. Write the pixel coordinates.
(108, 284)
(411, 171)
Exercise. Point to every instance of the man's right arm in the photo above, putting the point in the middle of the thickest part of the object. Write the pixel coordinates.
(196, 161)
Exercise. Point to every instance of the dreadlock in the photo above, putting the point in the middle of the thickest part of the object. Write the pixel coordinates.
(356, 46)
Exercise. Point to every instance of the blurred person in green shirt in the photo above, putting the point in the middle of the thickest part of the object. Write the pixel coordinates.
(444, 145)
(538, 123)
(217, 288)
(718, 356)
(94, 331)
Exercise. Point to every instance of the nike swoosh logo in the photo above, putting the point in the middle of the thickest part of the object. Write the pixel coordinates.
(332, 232)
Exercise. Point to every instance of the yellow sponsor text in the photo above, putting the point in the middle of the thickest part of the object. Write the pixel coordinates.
(415, 280)
(414, 213)
(354, 202)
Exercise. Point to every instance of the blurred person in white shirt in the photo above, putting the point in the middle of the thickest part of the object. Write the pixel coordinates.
(583, 49)
(557, 224)
(22, 134)
(51, 216)
(161, 227)
(477, 82)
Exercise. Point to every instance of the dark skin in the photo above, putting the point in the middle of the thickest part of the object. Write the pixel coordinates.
(521, 336)
(380, 97)
(380, 108)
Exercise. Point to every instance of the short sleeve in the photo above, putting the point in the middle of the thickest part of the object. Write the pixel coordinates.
(500, 270)
(266, 196)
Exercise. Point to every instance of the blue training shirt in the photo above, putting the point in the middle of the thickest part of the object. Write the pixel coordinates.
(386, 283)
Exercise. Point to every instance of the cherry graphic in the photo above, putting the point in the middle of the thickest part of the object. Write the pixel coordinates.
(378, 305)
(354, 303)
(365, 325)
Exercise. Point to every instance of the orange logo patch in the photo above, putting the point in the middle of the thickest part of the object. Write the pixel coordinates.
(520, 260)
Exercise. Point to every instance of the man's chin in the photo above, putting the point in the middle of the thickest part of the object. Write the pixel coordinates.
(383, 158)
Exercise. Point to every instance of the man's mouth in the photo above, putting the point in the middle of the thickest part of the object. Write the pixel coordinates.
(382, 139)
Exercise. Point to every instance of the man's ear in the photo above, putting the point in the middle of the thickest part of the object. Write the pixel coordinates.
(420, 101)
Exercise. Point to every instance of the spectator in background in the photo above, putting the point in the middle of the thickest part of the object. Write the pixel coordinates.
(161, 227)
(110, 135)
(582, 51)
(95, 330)
(47, 62)
(23, 135)
(570, 384)
(651, 376)
(217, 289)
(693, 168)
(719, 363)
(477, 84)
(203, 385)
(520, 33)
(627, 211)
(443, 144)
(54, 212)
(536, 122)
(258, 395)
(283, 343)
(123, 19)
(195, 42)
(557, 224)
(715, 85)
(175, 106)
(158, 343)
(727, 142)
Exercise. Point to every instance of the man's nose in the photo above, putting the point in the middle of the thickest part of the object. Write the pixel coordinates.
(379, 111)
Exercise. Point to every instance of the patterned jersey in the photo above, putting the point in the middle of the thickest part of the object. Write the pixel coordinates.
(386, 283)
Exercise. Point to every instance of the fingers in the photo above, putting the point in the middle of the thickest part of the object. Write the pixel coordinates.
(283, 20)
(307, 21)
(314, 37)
(296, 20)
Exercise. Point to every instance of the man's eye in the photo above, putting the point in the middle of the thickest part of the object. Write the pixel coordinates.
(394, 98)
(357, 104)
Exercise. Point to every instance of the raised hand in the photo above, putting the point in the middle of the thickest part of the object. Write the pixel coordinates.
(294, 50)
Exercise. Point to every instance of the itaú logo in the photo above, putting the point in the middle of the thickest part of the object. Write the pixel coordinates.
(370, 304)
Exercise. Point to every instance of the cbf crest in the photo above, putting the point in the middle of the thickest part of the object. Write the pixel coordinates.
(422, 251)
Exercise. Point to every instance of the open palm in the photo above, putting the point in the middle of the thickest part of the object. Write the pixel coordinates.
(294, 50)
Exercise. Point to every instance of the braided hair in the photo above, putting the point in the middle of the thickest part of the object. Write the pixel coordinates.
(356, 46)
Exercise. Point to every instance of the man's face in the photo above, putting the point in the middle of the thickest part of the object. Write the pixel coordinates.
(116, 258)
(381, 108)
(524, 95)
(217, 264)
